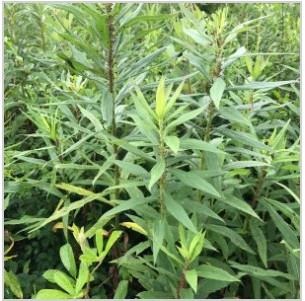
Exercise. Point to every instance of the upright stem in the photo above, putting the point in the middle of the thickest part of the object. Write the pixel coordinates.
(182, 282)
(111, 79)
(111, 85)
(162, 157)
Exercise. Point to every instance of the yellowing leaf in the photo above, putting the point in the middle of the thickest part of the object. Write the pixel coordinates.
(160, 99)
(135, 227)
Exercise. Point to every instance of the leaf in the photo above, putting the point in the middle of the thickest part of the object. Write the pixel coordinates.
(158, 233)
(288, 233)
(123, 206)
(191, 277)
(67, 258)
(64, 281)
(260, 240)
(217, 90)
(178, 212)
(99, 241)
(11, 280)
(156, 173)
(245, 164)
(211, 272)
(173, 143)
(290, 192)
(234, 237)
(52, 294)
(189, 143)
(239, 204)
(259, 272)
(233, 115)
(185, 117)
(196, 36)
(262, 85)
(193, 179)
(97, 124)
(121, 290)
(114, 236)
(83, 277)
(131, 168)
(135, 227)
(245, 138)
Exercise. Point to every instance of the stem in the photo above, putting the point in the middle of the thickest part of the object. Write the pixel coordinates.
(182, 282)
(258, 187)
(90, 275)
(111, 84)
(162, 179)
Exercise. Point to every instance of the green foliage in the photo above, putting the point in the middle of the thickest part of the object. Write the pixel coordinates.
(151, 150)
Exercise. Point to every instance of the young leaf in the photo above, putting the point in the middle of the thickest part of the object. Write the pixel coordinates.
(160, 99)
(156, 173)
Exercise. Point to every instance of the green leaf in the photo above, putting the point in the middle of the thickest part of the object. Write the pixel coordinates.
(239, 204)
(189, 143)
(191, 277)
(259, 272)
(233, 115)
(114, 236)
(64, 281)
(156, 173)
(173, 143)
(99, 241)
(184, 118)
(11, 280)
(97, 124)
(245, 138)
(234, 237)
(123, 206)
(288, 233)
(217, 90)
(83, 277)
(211, 272)
(262, 85)
(178, 212)
(158, 232)
(52, 294)
(260, 240)
(67, 258)
(193, 179)
(121, 290)
(245, 164)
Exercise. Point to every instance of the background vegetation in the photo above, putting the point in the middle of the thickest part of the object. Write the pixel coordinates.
(151, 150)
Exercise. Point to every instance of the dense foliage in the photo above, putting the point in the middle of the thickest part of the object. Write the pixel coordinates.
(151, 151)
